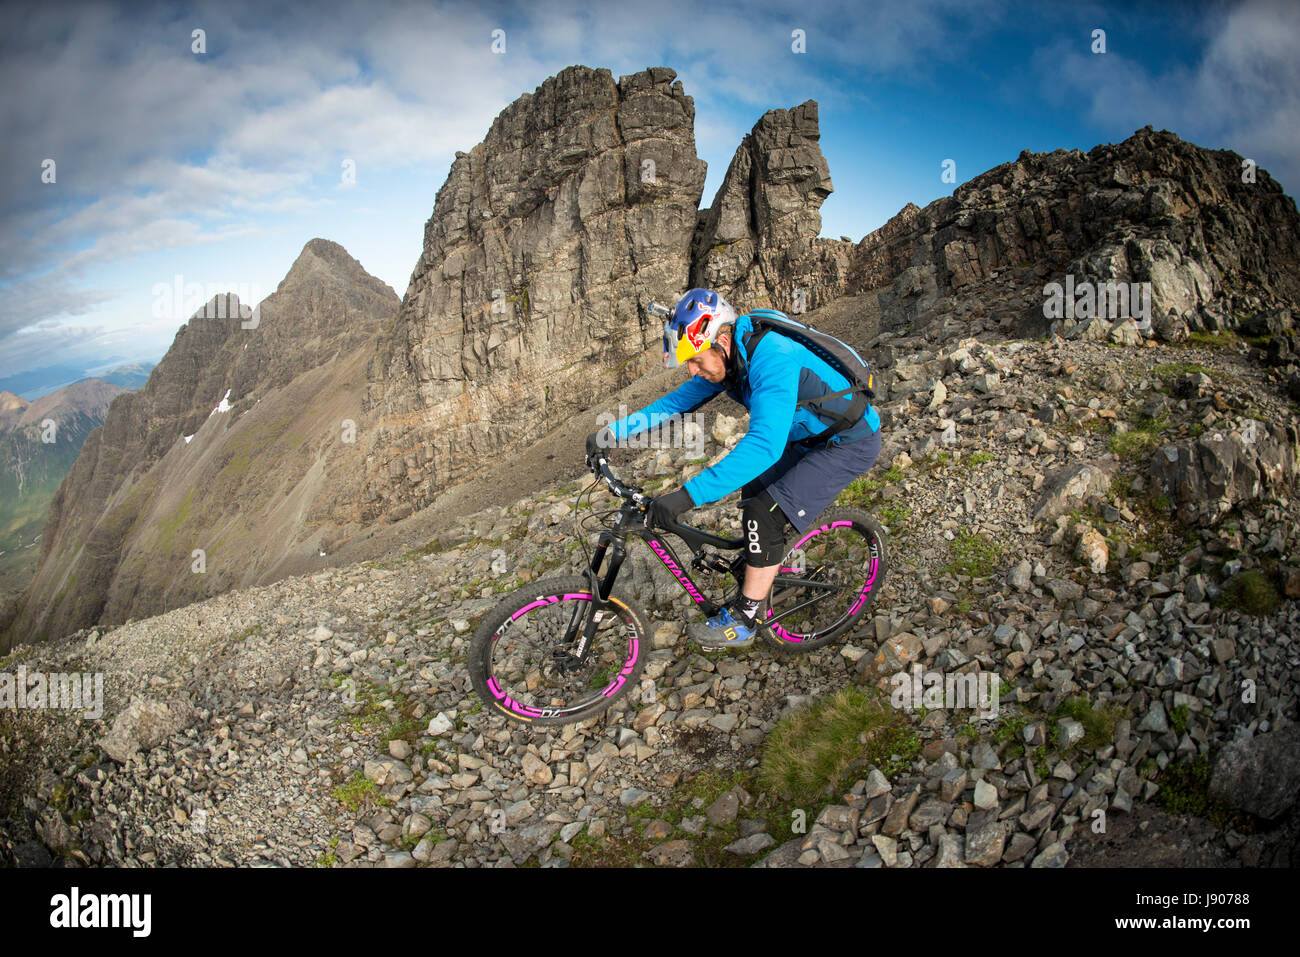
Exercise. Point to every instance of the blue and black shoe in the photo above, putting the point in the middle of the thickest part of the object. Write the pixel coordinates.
(726, 629)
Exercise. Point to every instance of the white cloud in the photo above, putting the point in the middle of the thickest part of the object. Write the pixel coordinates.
(162, 149)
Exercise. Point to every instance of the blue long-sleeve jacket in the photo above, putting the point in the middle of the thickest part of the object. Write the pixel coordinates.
(776, 378)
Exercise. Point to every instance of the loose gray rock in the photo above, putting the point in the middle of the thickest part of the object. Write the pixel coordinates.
(1054, 855)
(1069, 733)
(523, 843)
(950, 852)
(631, 797)
(753, 844)
(1071, 487)
(143, 725)
(985, 844)
(723, 811)
(1155, 719)
(877, 784)
(1260, 775)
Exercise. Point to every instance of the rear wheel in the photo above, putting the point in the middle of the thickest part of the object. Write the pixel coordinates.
(522, 668)
(829, 577)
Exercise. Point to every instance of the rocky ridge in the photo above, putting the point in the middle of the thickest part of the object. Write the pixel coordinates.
(525, 305)
(1214, 244)
(329, 719)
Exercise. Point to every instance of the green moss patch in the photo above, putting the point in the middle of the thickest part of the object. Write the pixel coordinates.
(814, 752)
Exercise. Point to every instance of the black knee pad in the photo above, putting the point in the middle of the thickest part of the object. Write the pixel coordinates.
(764, 526)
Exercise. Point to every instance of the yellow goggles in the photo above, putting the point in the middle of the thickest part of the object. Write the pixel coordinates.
(682, 345)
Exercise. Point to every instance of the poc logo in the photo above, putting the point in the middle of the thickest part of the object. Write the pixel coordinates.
(751, 530)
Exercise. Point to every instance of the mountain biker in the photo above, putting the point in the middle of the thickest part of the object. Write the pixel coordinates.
(784, 480)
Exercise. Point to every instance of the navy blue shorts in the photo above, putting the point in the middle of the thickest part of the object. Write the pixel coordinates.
(803, 481)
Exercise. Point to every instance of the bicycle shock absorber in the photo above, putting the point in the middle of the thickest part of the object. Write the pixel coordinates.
(571, 651)
(710, 561)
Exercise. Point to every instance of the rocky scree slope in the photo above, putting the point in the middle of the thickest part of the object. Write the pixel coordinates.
(1027, 490)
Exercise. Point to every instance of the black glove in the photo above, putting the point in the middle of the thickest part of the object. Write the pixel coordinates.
(666, 508)
(596, 443)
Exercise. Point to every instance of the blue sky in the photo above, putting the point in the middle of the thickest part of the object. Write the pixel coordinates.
(219, 166)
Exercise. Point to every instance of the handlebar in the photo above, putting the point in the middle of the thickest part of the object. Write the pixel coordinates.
(634, 495)
(692, 536)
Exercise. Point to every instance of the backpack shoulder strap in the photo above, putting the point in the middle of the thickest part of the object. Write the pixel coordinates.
(764, 321)
(753, 338)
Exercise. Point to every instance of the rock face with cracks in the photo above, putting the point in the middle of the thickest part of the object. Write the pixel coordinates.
(525, 305)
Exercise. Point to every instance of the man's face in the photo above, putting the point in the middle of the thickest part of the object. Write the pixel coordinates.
(711, 364)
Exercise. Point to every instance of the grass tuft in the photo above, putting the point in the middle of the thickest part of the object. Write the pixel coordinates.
(974, 555)
(975, 460)
(1251, 592)
(358, 791)
(1214, 340)
(825, 746)
(894, 515)
(1141, 438)
(1098, 720)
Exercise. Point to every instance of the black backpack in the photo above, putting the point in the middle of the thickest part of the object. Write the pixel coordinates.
(840, 357)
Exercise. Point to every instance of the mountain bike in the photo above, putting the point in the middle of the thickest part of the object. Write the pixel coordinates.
(564, 649)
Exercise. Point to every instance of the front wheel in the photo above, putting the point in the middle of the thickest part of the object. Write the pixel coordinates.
(829, 576)
(522, 667)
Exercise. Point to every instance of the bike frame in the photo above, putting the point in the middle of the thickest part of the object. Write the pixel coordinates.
(612, 545)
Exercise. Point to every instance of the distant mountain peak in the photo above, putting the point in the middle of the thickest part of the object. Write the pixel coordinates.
(322, 259)
(10, 402)
(90, 397)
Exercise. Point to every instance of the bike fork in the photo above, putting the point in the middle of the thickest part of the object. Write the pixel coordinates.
(573, 646)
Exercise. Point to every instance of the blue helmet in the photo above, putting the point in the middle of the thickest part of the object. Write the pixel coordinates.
(694, 324)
